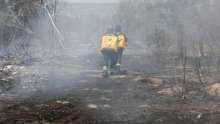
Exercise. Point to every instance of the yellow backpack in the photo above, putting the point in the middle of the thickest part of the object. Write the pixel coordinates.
(109, 42)
(121, 39)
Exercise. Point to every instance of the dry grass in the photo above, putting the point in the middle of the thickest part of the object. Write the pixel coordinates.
(17, 19)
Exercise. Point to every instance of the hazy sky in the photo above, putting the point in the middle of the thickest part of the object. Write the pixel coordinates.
(91, 1)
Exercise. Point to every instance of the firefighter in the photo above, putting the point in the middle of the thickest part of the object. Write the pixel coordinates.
(109, 51)
(120, 47)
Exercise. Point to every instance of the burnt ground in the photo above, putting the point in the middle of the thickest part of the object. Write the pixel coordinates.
(69, 88)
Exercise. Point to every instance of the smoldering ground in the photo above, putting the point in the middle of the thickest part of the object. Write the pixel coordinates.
(171, 75)
(52, 70)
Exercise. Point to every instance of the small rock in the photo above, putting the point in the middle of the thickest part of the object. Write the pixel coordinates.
(65, 102)
(106, 106)
(92, 106)
(8, 66)
(144, 106)
(105, 99)
(199, 115)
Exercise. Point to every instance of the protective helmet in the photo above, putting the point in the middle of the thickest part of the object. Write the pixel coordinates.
(118, 28)
(110, 30)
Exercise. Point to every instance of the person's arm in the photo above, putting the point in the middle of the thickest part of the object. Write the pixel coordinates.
(126, 39)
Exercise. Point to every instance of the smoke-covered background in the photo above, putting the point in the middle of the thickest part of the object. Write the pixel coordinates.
(50, 53)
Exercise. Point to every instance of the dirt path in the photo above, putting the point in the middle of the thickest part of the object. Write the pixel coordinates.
(70, 89)
(126, 100)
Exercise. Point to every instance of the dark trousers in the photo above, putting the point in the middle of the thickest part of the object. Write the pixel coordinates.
(110, 55)
(119, 55)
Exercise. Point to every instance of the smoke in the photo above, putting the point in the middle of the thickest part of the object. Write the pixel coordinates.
(52, 71)
(186, 24)
(156, 31)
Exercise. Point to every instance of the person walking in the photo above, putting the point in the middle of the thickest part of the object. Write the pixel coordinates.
(109, 50)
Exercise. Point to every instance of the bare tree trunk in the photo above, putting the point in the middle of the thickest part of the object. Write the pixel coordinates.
(218, 65)
(184, 72)
(174, 67)
(59, 35)
(201, 49)
(197, 65)
(180, 44)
